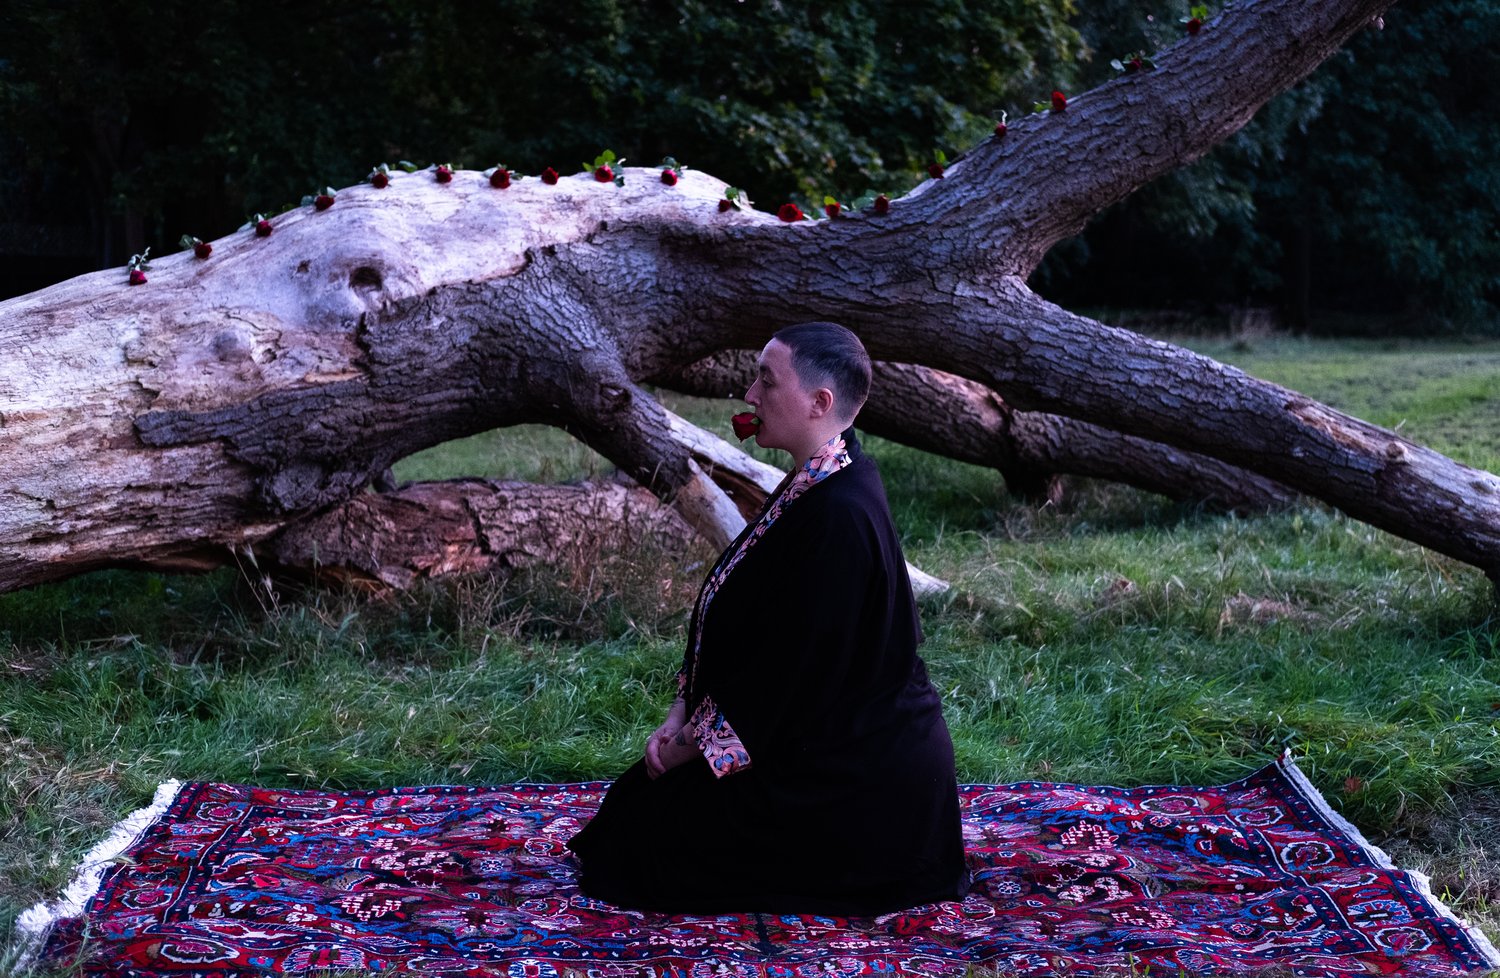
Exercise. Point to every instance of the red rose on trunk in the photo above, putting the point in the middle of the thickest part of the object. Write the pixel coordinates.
(323, 201)
(790, 213)
(669, 177)
(745, 424)
(935, 170)
(444, 173)
(604, 174)
(1194, 25)
(500, 179)
(1059, 101)
(380, 181)
(137, 267)
(549, 175)
(882, 204)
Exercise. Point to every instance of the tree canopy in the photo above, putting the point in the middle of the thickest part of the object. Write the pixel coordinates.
(1371, 187)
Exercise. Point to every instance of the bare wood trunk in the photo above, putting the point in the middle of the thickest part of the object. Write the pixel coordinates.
(464, 526)
(226, 400)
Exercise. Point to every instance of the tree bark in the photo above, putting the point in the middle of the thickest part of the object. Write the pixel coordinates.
(463, 526)
(227, 399)
(950, 416)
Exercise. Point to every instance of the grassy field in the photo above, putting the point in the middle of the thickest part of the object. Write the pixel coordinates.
(1117, 638)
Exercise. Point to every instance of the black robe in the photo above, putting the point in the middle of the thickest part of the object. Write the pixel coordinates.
(849, 805)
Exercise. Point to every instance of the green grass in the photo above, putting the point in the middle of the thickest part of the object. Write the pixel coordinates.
(1118, 638)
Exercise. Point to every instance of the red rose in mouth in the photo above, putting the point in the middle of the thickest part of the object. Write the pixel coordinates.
(790, 213)
(745, 424)
(549, 175)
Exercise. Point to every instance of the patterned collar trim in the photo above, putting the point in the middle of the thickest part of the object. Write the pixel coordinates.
(831, 456)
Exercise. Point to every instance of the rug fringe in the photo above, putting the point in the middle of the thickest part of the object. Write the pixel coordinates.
(1421, 880)
(36, 923)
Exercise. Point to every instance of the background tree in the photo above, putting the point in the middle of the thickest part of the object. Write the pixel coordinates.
(185, 119)
(1368, 189)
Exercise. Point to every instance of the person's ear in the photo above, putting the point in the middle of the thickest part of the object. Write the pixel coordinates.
(822, 402)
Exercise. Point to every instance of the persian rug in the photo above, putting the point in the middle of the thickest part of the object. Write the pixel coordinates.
(218, 880)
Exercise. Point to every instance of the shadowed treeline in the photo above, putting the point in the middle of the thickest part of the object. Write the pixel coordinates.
(1367, 190)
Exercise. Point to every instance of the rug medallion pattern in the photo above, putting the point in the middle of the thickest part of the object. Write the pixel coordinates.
(476, 881)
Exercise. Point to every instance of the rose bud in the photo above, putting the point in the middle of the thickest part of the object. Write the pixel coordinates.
(137, 277)
(726, 205)
(604, 174)
(379, 180)
(1194, 25)
(500, 178)
(201, 248)
(790, 213)
(935, 170)
(745, 424)
(832, 210)
(1059, 101)
(882, 204)
(444, 173)
(323, 201)
(999, 128)
(549, 175)
(669, 177)
(263, 228)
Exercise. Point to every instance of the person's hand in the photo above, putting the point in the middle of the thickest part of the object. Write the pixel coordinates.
(666, 751)
(676, 717)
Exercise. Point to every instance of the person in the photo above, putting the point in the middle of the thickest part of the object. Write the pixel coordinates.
(805, 766)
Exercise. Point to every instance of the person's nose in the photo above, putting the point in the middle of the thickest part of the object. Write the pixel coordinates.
(752, 396)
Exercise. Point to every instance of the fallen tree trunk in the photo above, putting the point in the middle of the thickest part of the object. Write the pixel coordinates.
(169, 423)
(428, 530)
(950, 416)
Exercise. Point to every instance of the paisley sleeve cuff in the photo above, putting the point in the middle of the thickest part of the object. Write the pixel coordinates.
(717, 740)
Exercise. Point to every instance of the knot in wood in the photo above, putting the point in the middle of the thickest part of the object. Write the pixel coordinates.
(230, 345)
(614, 396)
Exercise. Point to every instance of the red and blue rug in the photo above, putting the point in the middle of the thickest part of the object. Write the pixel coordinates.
(218, 880)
